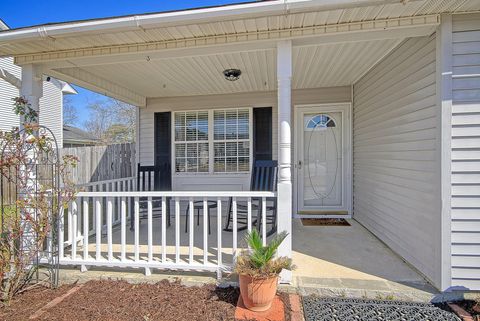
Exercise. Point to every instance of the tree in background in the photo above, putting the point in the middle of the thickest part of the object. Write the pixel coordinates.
(70, 116)
(111, 121)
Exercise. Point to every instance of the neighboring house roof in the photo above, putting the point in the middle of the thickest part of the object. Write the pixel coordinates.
(65, 87)
(76, 135)
(3, 25)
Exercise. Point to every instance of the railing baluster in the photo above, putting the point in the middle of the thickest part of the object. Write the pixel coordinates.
(85, 228)
(74, 229)
(94, 218)
(205, 231)
(117, 187)
(79, 219)
(249, 214)
(219, 232)
(164, 230)
(98, 230)
(264, 221)
(190, 236)
(177, 230)
(150, 230)
(123, 237)
(235, 230)
(137, 230)
(61, 231)
(109, 228)
(69, 222)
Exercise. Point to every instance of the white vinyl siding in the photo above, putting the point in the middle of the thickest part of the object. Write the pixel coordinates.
(51, 110)
(225, 181)
(8, 118)
(466, 152)
(51, 114)
(395, 154)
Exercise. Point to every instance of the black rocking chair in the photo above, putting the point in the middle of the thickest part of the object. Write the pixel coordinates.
(149, 179)
(264, 178)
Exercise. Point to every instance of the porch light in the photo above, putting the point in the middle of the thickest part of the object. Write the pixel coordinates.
(232, 74)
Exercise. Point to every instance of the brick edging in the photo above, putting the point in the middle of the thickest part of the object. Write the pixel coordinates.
(464, 315)
(296, 308)
(54, 302)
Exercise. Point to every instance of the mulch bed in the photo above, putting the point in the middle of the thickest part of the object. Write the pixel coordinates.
(324, 222)
(29, 302)
(119, 300)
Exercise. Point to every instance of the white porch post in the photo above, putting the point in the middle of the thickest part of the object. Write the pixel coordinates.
(31, 88)
(284, 189)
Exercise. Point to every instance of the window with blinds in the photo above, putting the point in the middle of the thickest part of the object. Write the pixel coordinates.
(230, 144)
(191, 142)
(231, 140)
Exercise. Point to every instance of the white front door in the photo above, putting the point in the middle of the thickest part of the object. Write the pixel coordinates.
(323, 160)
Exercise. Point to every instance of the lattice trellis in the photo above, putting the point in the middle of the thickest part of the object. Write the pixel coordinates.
(32, 178)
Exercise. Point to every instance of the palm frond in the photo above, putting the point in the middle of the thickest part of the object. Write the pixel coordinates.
(276, 241)
(254, 240)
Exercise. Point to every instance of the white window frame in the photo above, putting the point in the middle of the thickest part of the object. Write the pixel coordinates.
(211, 141)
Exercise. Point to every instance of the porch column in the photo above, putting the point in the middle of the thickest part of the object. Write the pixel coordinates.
(31, 88)
(284, 188)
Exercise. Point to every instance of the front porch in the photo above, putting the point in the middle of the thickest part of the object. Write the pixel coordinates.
(350, 261)
(365, 93)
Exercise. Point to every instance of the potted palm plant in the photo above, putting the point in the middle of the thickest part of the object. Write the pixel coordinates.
(258, 271)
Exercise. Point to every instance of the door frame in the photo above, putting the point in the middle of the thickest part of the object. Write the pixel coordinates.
(346, 110)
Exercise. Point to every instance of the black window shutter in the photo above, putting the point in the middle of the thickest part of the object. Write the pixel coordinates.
(163, 149)
(262, 133)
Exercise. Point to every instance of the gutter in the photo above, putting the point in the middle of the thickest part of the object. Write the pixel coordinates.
(155, 20)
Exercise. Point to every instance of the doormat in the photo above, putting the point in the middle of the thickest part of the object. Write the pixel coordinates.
(324, 222)
(340, 309)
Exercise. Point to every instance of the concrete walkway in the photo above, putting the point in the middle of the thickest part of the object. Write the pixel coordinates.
(351, 261)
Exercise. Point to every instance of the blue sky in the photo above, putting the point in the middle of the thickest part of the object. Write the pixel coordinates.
(22, 13)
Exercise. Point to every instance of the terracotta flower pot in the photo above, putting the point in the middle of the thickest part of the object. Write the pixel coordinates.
(258, 294)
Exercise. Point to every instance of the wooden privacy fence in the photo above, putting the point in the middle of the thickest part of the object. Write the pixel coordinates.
(102, 163)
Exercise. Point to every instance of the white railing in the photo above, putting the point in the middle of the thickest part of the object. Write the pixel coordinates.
(119, 184)
(104, 216)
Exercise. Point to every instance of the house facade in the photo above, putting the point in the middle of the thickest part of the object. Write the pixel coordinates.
(372, 109)
(51, 104)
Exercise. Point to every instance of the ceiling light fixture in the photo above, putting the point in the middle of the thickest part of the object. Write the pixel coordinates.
(232, 74)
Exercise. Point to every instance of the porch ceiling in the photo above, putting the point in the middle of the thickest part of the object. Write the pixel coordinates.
(313, 66)
(183, 53)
